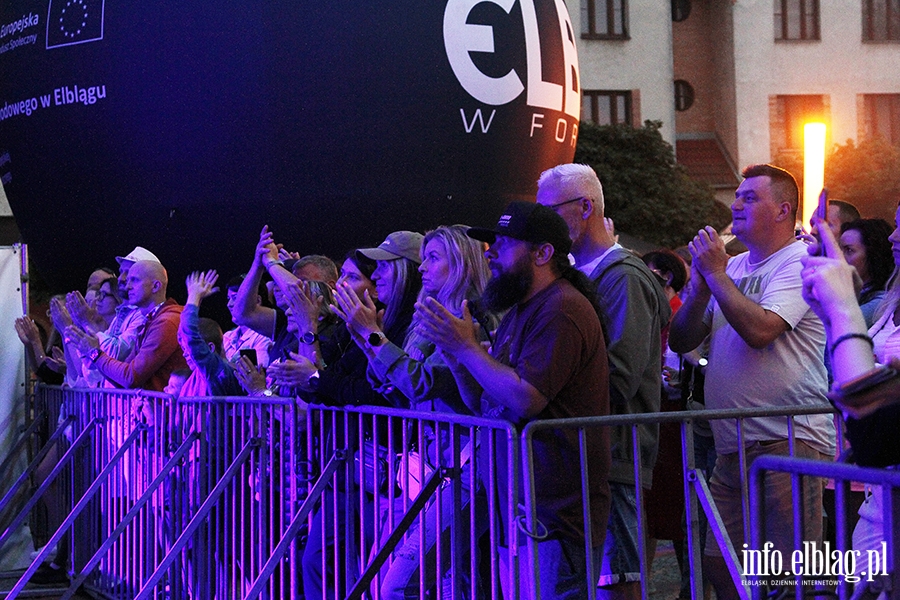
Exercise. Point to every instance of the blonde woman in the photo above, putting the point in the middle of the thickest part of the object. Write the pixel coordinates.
(413, 375)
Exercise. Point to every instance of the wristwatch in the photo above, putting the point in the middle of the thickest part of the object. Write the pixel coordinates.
(268, 393)
(313, 382)
(376, 338)
(309, 338)
(94, 355)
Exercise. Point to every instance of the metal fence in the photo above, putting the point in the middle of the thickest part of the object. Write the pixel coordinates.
(266, 497)
(872, 571)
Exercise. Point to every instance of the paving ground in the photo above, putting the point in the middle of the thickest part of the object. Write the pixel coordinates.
(665, 580)
(45, 592)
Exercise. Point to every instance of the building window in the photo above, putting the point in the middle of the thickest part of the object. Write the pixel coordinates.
(681, 10)
(790, 115)
(796, 19)
(881, 20)
(604, 19)
(882, 116)
(606, 107)
(684, 95)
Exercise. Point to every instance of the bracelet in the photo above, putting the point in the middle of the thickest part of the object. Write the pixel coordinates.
(272, 261)
(850, 336)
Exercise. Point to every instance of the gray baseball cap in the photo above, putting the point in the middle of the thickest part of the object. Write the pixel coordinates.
(400, 244)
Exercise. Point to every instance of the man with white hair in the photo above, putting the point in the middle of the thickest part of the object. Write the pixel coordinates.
(634, 311)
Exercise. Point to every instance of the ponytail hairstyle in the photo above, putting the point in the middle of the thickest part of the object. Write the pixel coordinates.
(581, 283)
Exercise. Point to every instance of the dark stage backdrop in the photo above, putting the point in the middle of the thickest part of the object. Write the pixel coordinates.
(185, 127)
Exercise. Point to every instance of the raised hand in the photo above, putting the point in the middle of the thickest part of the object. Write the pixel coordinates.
(59, 314)
(83, 314)
(83, 342)
(610, 229)
(201, 285)
(28, 332)
(830, 285)
(285, 255)
(266, 250)
(825, 242)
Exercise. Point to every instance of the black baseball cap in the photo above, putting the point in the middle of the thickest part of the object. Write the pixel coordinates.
(529, 222)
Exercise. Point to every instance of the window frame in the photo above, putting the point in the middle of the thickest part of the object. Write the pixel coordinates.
(590, 33)
(891, 22)
(685, 96)
(797, 109)
(611, 95)
(808, 10)
(681, 10)
(871, 109)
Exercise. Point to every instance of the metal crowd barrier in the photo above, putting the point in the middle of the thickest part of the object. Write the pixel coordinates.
(695, 489)
(170, 499)
(875, 569)
(406, 477)
(259, 497)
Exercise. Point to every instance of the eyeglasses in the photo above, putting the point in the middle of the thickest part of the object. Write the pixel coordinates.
(555, 206)
(101, 295)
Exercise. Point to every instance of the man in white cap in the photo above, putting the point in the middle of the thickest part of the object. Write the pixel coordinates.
(156, 351)
(118, 340)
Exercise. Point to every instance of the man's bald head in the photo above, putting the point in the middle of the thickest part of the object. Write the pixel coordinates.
(146, 284)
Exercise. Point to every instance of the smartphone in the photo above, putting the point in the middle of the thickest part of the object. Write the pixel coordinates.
(251, 354)
(822, 214)
(822, 208)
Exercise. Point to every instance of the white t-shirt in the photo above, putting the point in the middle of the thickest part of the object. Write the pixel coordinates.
(788, 372)
(885, 338)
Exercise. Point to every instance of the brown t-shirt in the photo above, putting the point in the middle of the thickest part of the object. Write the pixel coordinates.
(554, 342)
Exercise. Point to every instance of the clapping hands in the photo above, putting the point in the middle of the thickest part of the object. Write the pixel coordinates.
(360, 314)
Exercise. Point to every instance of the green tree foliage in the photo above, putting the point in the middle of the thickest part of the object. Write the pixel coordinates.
(866, 175)
(647, 193)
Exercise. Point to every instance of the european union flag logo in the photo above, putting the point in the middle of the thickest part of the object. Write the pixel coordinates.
(71, 22)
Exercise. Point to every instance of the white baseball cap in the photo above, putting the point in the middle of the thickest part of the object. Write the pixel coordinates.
(138, 254)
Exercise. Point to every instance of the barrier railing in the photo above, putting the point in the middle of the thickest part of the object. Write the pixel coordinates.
(182, 499)
(410, 504)
(695, 489)
(875, 570)
(258, 497)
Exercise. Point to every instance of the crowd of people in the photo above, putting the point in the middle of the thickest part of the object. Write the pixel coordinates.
(545, 316)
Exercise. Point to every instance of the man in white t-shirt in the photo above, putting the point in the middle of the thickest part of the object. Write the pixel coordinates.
(766, 350)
